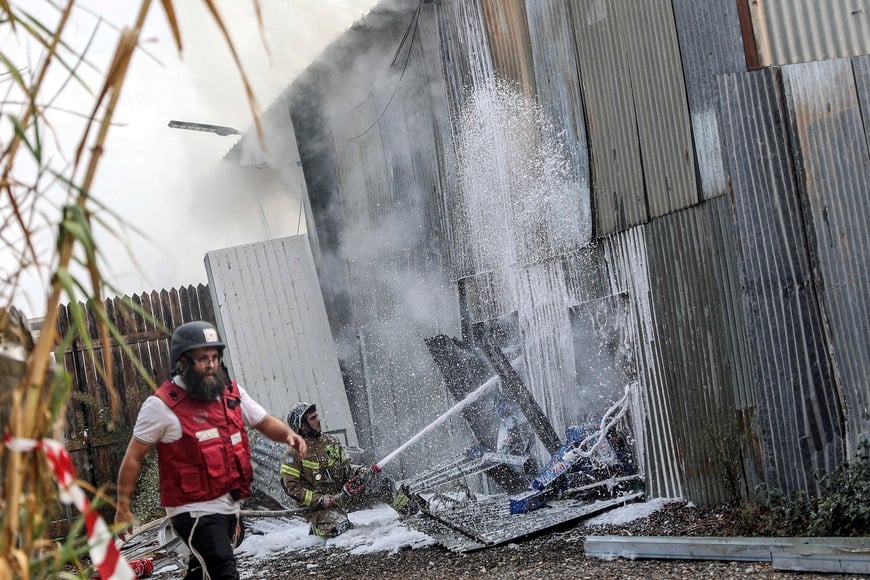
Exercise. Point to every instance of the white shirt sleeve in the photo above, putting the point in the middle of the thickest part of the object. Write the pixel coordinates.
(156, 423)
(252, 412)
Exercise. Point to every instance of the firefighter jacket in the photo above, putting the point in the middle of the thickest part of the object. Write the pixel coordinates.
(213, 456)
(323, 470)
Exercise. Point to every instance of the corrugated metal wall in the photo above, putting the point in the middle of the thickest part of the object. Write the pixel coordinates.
(798, 407)
(714, 215)
(827, 127)
(709, 33)
(269, 307)
(793, 31)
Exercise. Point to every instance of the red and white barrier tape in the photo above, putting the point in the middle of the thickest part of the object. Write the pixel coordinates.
(101, 545)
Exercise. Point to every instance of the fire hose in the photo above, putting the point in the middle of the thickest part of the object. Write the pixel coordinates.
(365, 475)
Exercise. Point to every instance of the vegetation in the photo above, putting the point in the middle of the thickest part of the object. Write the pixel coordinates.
(43, 197)
(842, 509)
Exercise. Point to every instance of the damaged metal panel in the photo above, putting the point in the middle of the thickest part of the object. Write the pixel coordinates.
(658, 453)
(280, 346)
(794, 31)
(798, 410)
(614, 149)
(557, 75)
(686, 286)
(710, 44)
(834, 165)
(508, 33)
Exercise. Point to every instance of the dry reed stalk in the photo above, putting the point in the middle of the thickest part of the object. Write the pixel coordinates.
(30, 488)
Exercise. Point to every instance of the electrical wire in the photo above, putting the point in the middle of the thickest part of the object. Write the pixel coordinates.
(412, 29)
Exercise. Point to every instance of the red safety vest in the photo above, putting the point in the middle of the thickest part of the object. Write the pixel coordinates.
(213, 456)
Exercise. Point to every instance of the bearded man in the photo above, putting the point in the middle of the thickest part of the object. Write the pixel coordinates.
(198, 420)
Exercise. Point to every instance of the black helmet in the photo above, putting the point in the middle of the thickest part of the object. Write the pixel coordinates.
(193, 335)
(294, 418)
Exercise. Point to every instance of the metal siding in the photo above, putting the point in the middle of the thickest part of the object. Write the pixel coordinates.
(833, 162)
(794, 31)
(626, 257)
(269, 307)
(797, 397)
(710, 44)
(558, 90)
(724, 234)
(686, 290)
(659, 93)
(614, 149)
(508, 33)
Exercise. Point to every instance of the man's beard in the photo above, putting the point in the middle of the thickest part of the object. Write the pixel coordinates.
(205, 386)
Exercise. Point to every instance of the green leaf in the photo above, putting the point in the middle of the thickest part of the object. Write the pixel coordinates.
(22, 134)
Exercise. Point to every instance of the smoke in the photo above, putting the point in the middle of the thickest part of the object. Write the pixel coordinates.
(174, 198)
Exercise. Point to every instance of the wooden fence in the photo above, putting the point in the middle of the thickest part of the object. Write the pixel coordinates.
(96, 440)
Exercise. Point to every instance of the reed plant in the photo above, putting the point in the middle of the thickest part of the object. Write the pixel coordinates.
(39, 194)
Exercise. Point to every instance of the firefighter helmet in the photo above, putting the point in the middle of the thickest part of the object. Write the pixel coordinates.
(193, 335)
(294, 418)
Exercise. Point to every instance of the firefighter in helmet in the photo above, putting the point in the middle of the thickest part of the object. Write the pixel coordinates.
(317, 479)
(197, 421)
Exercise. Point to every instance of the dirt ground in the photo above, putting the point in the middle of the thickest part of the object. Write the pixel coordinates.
(557, 554)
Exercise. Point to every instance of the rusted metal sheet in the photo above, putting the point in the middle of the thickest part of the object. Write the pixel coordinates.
(709, 33)
(794, 31)
(687, 275)
(828, 130)
(508, 32)
(268, 305)
(798, 410)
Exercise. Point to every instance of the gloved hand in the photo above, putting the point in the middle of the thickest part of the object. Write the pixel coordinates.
(359, 481)
(330, 501)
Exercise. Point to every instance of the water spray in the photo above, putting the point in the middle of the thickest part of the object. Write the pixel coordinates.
(353, 486)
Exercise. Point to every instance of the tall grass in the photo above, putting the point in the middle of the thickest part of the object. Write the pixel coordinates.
(38, 195)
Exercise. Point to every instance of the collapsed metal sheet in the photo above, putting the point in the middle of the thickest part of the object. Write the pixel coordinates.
(488, 522)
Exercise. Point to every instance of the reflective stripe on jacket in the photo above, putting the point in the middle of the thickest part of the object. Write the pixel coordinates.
(322, 471)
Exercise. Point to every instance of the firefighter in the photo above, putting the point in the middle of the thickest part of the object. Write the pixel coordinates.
(317, 479)
(197, 420)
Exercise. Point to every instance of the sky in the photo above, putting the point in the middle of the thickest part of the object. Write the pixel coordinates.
(169, 184)
(376, 530)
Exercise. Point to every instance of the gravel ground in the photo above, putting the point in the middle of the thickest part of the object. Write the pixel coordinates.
(557, 554)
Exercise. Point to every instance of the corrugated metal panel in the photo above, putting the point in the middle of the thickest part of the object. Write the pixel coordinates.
(659, 91)
(615, 163)
(558, 90)
(642, 155)
(833, 162)
(626, 256)
(793, 31)
(509, 42)
(727, 267)
(797, 404)
(465, 52)
(268, 304)
(710, 43)
(686, 290)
